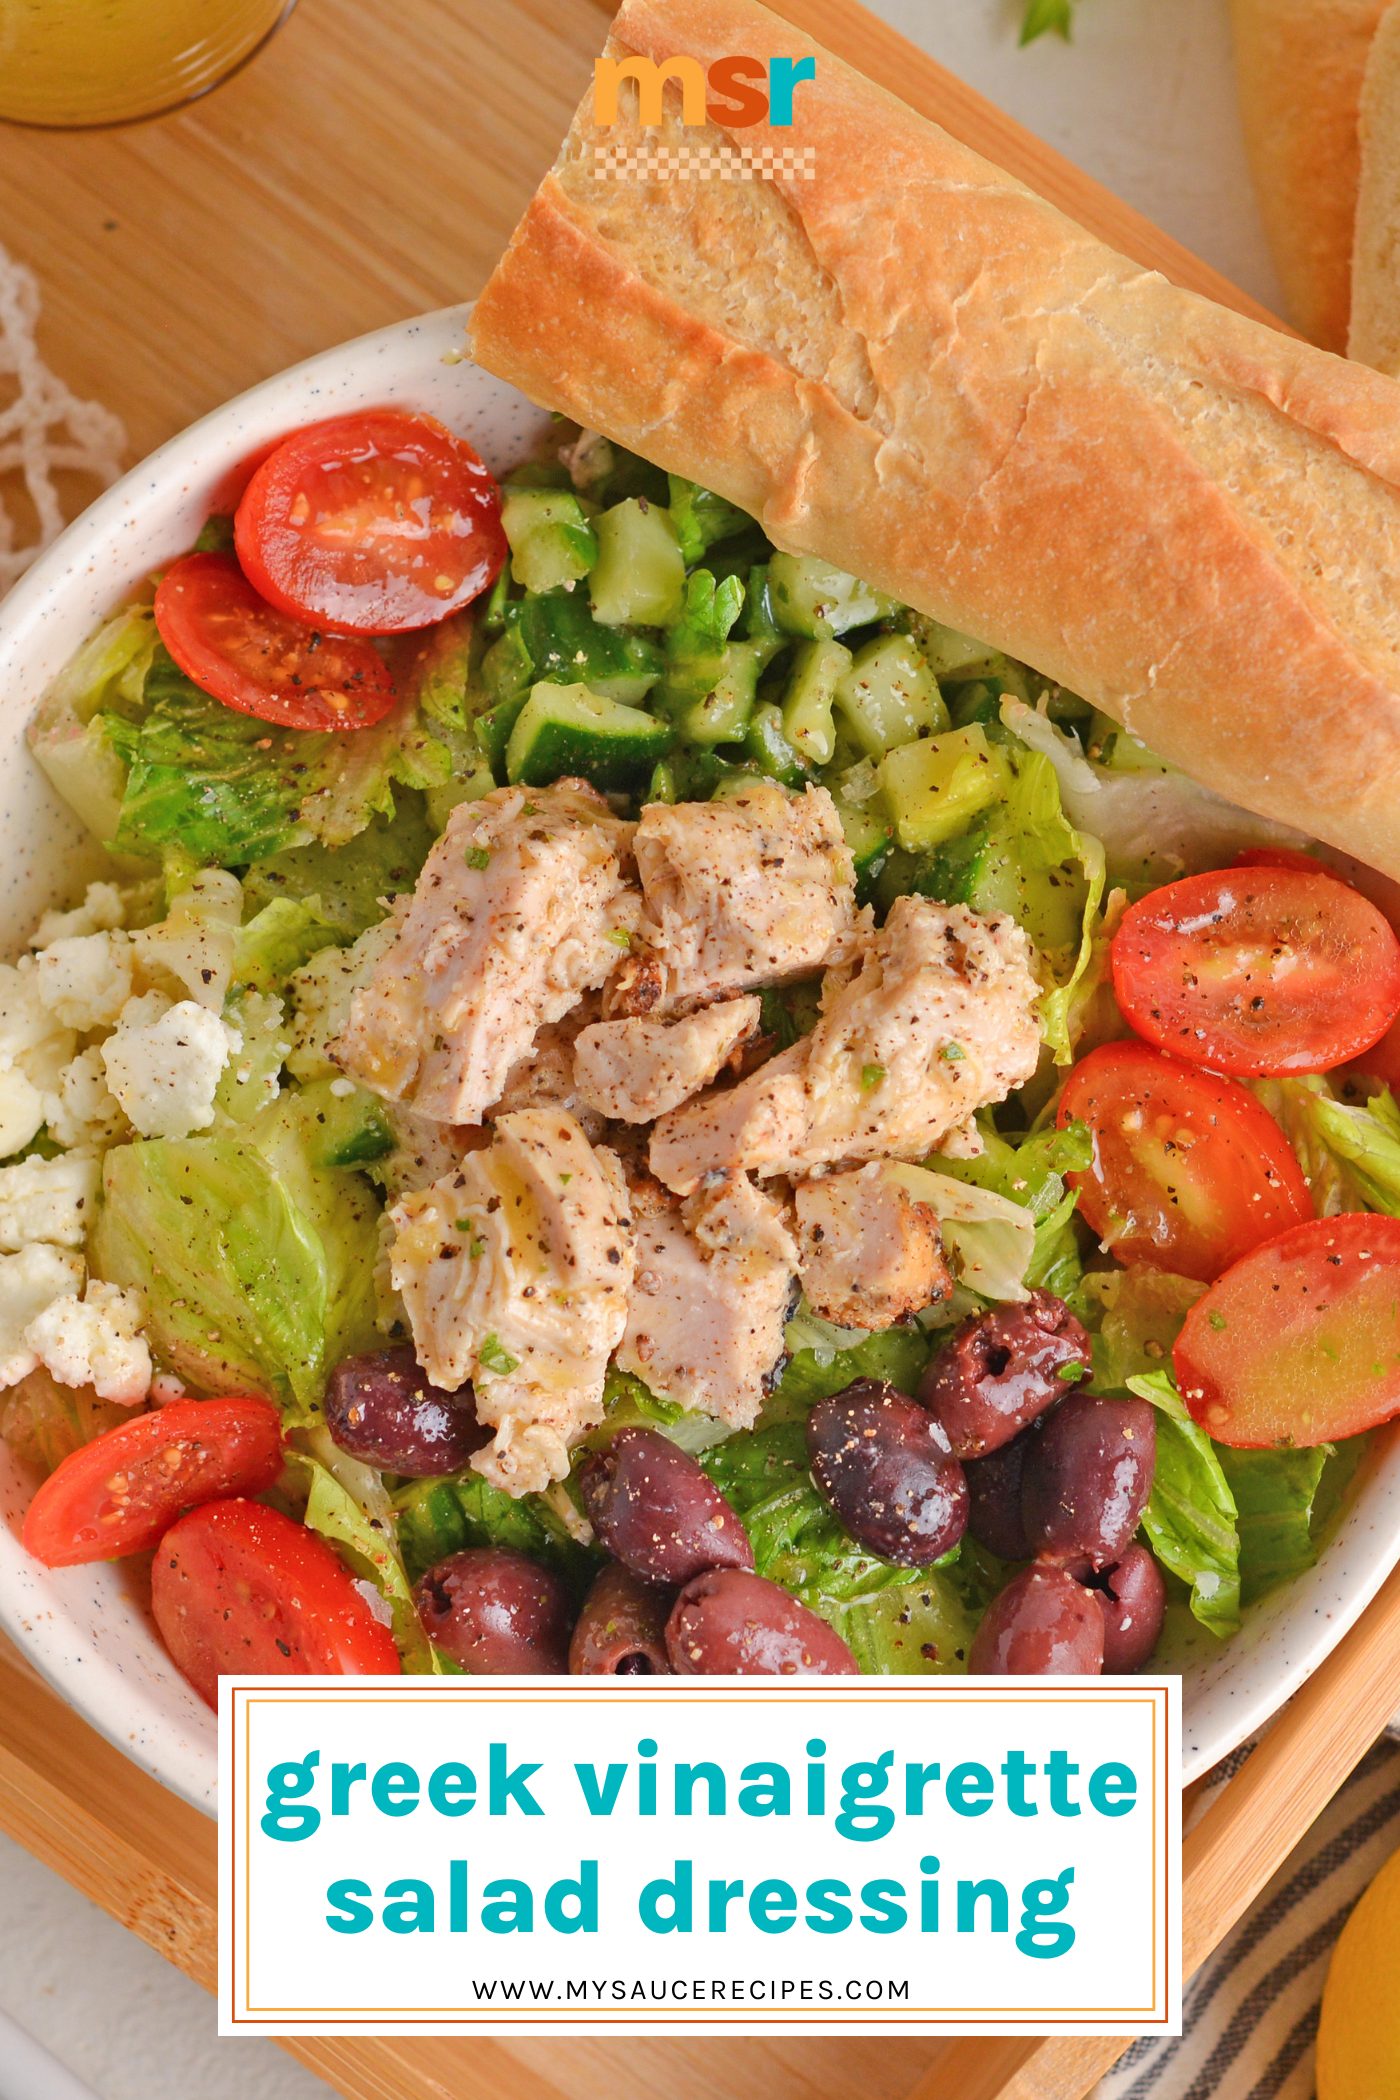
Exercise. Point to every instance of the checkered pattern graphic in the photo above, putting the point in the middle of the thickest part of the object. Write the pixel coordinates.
(703, 161)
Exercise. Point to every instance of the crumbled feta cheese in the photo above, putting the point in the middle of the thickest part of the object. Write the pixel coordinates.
(85, 980)
(166, 1388)
(163, 1063)
(84, 1110)
(29, 1281)
(47, 1200)
(21, 1111)
(189, 955)
(30, 1037)
(96, 1341)
(102, 909)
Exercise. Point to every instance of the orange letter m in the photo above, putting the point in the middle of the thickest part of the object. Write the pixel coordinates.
(609, 74)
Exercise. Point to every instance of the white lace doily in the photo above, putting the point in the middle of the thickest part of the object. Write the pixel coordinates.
(45, 431)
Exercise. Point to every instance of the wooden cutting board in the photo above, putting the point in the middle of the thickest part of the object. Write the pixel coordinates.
(369, 165)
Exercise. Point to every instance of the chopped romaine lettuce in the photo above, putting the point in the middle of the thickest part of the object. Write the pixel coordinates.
(1274, 1495)
(258, 1267)
(897, 1355)
(249, 1081)
(1350, 1155)
(901, 1621)
(213, 785)
(1153, 825)
(348, 1505)
(347, 884)
(1023, 856)
(278, 939)
(68, 734)
(989, 1238)
(439, 1517)
(701, 519)
(796, 1537)
(1191, 1516)
(1138, 1314)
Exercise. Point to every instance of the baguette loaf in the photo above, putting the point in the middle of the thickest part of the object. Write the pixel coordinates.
(1300, 65)
(909, 364)
(1375, 276)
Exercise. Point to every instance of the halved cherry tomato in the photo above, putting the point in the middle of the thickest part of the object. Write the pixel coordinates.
(1189, 1171)
(244, 652)
(1256, 970)
(239, 1588)
(376, 522)
(1299, 1342)
(119, 1493)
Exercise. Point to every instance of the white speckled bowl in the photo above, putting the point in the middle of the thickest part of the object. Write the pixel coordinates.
(87, 1629)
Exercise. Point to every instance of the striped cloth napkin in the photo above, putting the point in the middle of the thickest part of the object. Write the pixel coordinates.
(1250, 2016)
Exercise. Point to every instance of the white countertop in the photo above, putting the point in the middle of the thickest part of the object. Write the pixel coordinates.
(1144, 100)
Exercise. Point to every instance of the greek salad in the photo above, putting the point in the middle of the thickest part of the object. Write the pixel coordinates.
(624, 1102)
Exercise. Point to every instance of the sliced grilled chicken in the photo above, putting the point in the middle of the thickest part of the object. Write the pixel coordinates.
(938, 1020)
(544, 1077)
(715, 1285)
(524, 903)
(756, 888)
(514, 1271)
(869, 1252)
(634, 1071)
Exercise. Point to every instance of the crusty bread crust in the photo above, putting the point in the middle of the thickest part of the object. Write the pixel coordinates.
(1375, 298)
(913, 366)
(1300, 65)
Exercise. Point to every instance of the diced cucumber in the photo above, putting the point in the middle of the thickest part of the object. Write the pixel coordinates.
(817, 671)
(869, 836)
(493, 730)
(639, 576)
(722, 715)
(562, 640)
(758, 606)
(662, 787)
(494, 616)
(889, 696)
(508, 669)
(810, 597)
(551, 541)
(565, 730)
(950, 655)
(343, 1129)
(935, 787)
(766, 746)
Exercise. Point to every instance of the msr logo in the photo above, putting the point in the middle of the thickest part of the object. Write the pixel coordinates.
(735, 92)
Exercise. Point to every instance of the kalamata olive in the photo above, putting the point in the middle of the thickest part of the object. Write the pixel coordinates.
(657, 1512)
(384, 1410)
(1088, 1479)
(729, 1622)
(1044, 1624)
(1001, 1369)
(885, 1466)
(1133, 1598)
(621, 1631)
(994, 1516)
(496, 1612)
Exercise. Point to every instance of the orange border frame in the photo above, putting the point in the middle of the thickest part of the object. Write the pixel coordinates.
(424, 2016)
